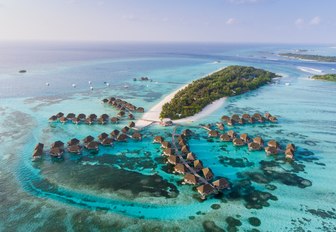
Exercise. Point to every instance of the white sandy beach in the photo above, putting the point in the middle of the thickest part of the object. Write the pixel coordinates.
(154, 113)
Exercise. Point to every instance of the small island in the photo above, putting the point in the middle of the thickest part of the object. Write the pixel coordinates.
(230, 81)
(310, 57)
(325, 77)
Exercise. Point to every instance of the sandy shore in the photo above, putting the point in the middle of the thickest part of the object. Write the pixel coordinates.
(154, 113)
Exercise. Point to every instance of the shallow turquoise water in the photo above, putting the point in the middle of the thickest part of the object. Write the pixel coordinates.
(127, 187)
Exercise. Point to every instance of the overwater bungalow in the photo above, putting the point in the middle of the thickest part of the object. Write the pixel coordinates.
(225, 138)
(267, 115)
(114, 120)
(104, 116)
(140, 110)
(181, 137)
(121, 138)
(245, 138)
(230, 122)
(53, 118)
(75, 148)
(102, 136)
(198, 165)
(220, 126)
(246, 117)
(273, 119)
(73, 141)
(165, 144)
(101, 121)
(241, 121)
(207, 173)
(180, 168)
(131, 116)
(182, 143)
(63, 119)
(225, 118)
(205, 190)
(289, 154)
(88, 139)
(93, 117)
(38, 151)
(125, 129)
(186, 132)
(56, 152)
(92, 146)
(59, 114)
(121, 113)
(190, 179)
(235, 118)
(251, 120)
(105, 100)
(254, 146)
(107, 142)
(58, 144)
(220, 184)
(238, 142)
(271, 150)
(185, 150)
(259, 141)
(173, 159)
(115, 133)
(158, 139)
(137, 136)
(90, 121)
(232, 134)
(168, 152)
(76, 120)
(131, 124)
(191, 156)
(70, 116)
(273, 143)
(257, 116)
(291, 146)
(213, 134)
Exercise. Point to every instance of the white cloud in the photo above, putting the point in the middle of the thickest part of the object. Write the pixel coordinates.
(244, 1)
(231, 21)
(130, 17)
(299, 22)
(315, 21)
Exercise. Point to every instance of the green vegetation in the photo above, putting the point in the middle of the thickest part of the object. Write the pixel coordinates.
(310, 57)
(230, 81)
(326, 77)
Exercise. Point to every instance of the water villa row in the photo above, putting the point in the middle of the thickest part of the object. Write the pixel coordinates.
(91, 119)
(186, 163)
(254, 144)
(246, 118)
(74, 146)
(122, 105)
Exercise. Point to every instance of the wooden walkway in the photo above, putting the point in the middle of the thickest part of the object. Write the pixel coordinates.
(203, 180)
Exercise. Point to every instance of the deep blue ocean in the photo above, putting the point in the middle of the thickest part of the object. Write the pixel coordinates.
(128, 187)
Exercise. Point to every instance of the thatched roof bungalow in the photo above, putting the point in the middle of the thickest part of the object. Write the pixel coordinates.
(191, 156)
(213, 134)
(185, 149)
(73, 141)
(238, 142)
(56, 152)
(75, 148)
(165, 144)
(254, 146)
(114, 120)
(131, 124)
(168, 151)
(225, 118)
(125, 129)
(137, 136)
(259, 141)
(271, 150)
(245, 137)
(38, 151)
(186, 132)
(205, 190)
(121, 138)
(102, 136)
(180, 168)
(59, 114)
(63, 119)
(58, 143)
(190, 179)
(198, 165)
(207, 173)
(115, 133)
(225, 138)
(291, 146)
(220, 184)
(107, 142)
(70, 116)
(88, 139)
(158, 139)
(140, 110)
(232, 134)
(273, 143)
(53, 118)
(173, 159)
(92, 145)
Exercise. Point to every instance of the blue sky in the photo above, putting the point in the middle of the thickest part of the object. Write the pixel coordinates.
(273, 21)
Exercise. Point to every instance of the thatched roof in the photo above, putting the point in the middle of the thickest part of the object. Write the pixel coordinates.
(185, 149)
(60, 114)
(225, 118)
(92, 145)
(168, 151)
(114, 119)
(272, 119)
(207, 173)
(104, 116)
(71, 116)
(136, 136)
(238, 142)
(225, 137)
(213, 133)
(56, 152)
(180, 168)
(187, 132)
(273, 143)
(259, 140)
(140, 110)
(271, 150)
(125, 129)
(220, 126)
(254, 146)
(73, 141)
(53, 118)
(102, 121)
(220, 183)
(131, 124)
(92, 116)
(235, 117)
(63, 119)
(74, 148)
(102, 136)
(245, 137)
(115, 133)
(88, 139)
(231, 133)
(173, 159)
(191, 156)
(291, 146)
(165, 144)
(246, 116)
(58, 143)
(205, 189)
(107, 142)
(158, 139)
(190, 179)
(122, 137)
(198, 164)
(131, 116)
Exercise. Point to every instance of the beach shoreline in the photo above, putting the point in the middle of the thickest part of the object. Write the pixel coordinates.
(154, 113)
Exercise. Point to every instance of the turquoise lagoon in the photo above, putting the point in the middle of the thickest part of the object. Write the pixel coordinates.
(128, 187)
